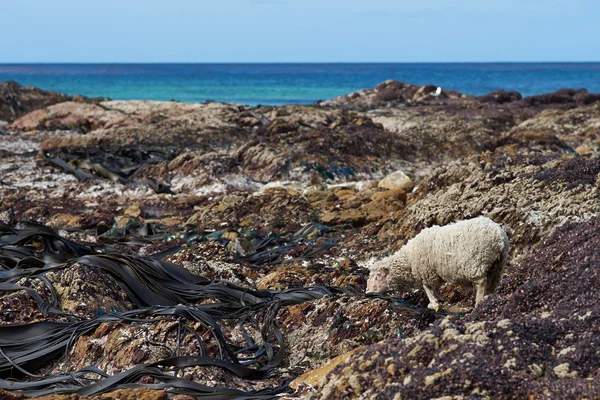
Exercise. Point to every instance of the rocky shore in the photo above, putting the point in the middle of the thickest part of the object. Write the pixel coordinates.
(278, 198)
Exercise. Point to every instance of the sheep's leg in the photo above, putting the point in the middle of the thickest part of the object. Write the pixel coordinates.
(481, 290)
(467, 289)
(433, 301)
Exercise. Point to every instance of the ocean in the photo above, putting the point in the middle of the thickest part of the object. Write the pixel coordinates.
(276, 84)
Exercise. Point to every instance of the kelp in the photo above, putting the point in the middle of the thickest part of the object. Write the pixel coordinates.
(162, 291)
(117, 166)
(133, 232)
(310, 248)
(309, 242)
(30, 240)
(32, 345)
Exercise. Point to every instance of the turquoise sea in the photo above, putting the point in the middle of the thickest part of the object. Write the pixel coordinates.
(276, 84)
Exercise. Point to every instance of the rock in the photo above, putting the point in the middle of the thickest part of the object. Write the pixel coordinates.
(396, 180)
(17, 100)
(479, 186)
(344, 194)
(562, 371)
(242, 247)
(391, 93)
(6, 395)
(345, 273)
(65, 220)
(354, 217)
(128, 222)
(182, 397)
(585, 150)
(277, 210)
(368, 184)
(6, 216)
(501, 96)
(214, 261)
(428, 91)
(317, 196)
(315, 377)
(231, 235)
(322, 330)
(390, 194)
(133, 211)
(69, 115)
(133, 394)
(81, 290)
(260, 162)
(563, 97)
(574, 127)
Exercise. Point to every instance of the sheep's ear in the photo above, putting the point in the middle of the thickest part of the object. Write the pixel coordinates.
(378, 267)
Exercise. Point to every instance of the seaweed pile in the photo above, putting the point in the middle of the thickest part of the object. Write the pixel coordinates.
(161, 291)
(96, 163)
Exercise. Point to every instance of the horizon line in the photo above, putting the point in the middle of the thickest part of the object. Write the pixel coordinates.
(282, 62)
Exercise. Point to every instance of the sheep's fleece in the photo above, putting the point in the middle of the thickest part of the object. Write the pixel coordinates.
(469, 252)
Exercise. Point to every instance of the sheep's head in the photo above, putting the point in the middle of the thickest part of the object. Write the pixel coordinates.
(378, 279)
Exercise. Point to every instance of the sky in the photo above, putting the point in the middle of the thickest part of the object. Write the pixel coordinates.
(299, 30)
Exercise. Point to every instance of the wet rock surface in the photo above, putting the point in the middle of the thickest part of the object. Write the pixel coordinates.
(355, 178)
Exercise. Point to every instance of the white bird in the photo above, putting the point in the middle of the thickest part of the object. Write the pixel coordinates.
(437, 92)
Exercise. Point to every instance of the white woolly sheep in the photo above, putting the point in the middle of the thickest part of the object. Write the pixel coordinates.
(470, 252)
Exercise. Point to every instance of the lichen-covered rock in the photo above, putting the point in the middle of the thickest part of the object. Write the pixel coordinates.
(324, 329)
(314, 378)
(350, 148)
(314, 273)
(69, 115)
(17, 100)
(361, 209)
(275, 209)
(80, 290)
(539, 332)
(392, 93)
(88, 291)
(578, 127)
(212, 260)
(529, 193)
(396, 180)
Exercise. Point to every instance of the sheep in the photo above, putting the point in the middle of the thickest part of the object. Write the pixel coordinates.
(472, 252)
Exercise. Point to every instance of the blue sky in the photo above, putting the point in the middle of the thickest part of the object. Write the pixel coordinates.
(299, 30)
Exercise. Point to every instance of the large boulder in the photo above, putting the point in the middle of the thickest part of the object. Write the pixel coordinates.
(396, 180)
